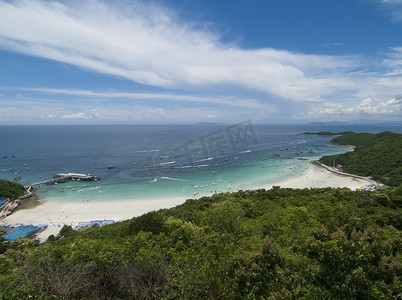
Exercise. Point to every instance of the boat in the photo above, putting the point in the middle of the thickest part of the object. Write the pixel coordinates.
(110, 167)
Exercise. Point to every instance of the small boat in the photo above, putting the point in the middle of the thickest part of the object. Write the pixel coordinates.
(17, 177)
(110, 167)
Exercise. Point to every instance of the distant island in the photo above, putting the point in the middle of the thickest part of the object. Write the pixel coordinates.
(209, 123)
(328, 133)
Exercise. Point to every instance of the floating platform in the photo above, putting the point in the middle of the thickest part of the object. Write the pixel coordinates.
(76, 176)
(64, 177)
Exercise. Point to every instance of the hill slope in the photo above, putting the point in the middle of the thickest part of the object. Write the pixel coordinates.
(376, 155)
(9, 189)
(276, 244)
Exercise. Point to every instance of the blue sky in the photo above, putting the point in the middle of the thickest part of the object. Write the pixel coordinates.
(186, 61)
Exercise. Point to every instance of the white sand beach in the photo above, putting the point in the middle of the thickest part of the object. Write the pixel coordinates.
(59, 213)
(56, 212)
(318, 177)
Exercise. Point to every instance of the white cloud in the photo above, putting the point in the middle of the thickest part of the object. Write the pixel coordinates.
(369, 106)
(229, 101)
(393, 8)
(75, 116)
(49, 116)
(93, 114)
(391, 1)
(66, 112)
(150, 45)
(365, 108)
(394, 61)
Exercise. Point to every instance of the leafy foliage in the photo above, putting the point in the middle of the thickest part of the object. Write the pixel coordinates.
(376, 155)
(9, 189)
(264, 244)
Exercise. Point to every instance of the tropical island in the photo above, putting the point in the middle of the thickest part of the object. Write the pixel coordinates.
(281, 243)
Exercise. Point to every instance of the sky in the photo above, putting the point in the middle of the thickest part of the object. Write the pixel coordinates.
(189, 61)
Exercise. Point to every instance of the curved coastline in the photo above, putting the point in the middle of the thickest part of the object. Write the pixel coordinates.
(57, 214)
(334, 170)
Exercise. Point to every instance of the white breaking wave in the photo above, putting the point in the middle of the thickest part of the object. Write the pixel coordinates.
(174, 179)
(205, 159)
(146, 151)
(88, 189)
(167, 163)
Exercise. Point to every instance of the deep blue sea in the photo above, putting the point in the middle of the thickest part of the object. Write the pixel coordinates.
(162, 160)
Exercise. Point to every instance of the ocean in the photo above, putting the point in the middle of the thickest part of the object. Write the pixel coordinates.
(156, 161)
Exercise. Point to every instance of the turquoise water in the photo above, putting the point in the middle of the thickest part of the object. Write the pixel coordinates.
(154, 161)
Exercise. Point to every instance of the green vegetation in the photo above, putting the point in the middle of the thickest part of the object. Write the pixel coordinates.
(376, 155)
(9, 189)
(275, 244)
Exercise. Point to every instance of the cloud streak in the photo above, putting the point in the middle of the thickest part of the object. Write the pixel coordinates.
(189, 65)
(149, 44)
(134, 96)
(393, 8)
(29, 111)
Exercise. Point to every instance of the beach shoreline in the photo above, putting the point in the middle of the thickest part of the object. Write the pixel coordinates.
(58, 213)
(63, 213)
(318, 176)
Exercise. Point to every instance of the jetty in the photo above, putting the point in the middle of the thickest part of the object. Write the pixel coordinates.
(10, 206)
(64, 177)
(76, 176)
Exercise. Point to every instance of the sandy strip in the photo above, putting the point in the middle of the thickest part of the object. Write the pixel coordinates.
(56, 213)
(318, 177)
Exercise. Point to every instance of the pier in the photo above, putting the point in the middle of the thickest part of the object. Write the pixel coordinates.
(11, 206)
(64, 177)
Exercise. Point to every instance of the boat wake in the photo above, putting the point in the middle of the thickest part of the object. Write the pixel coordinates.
(174, 179)
(88, 189)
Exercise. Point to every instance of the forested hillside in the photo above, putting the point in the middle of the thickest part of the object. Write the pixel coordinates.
(376, 155)
(275, 244)
(9, 189)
